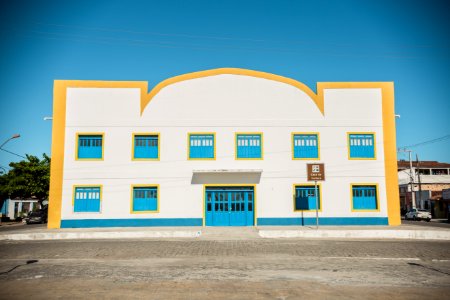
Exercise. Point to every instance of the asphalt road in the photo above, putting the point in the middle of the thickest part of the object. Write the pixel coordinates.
(20, 226)
(241, 269)
(426, 224)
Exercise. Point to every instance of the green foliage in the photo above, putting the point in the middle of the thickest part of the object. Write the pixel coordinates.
(27, 178)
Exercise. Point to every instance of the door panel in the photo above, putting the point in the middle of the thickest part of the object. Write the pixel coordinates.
(229, 206)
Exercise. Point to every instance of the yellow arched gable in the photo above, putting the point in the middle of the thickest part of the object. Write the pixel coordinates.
(233, 71)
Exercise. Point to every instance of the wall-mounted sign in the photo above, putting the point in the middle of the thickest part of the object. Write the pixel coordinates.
(316, 172)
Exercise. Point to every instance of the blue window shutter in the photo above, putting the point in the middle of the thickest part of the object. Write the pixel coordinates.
(306, 146)
(90, 146)
(87, 199)
(249, 146)
(364, 198)
(146, 146)
(362, 145)
(145, 199)
(305, 197)
(201, 146)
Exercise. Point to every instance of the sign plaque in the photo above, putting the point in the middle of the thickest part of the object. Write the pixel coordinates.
(316, 172)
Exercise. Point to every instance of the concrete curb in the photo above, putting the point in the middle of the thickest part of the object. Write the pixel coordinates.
(220, 234)
(99, 235)
(359, 234)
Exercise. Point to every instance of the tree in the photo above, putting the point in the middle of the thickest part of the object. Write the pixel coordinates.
(27, 178)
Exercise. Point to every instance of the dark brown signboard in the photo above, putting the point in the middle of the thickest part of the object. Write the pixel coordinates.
(316, 172)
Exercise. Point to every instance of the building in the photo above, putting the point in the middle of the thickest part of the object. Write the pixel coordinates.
(222, 147)
(430, 179)
(18, 208)
(446, 200)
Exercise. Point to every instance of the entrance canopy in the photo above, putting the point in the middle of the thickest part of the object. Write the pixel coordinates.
(215, 171)
(226, 176)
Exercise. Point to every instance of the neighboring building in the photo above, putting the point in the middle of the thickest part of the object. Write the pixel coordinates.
(434, 178)
(223, 147)
(18, 208)
(446, 201)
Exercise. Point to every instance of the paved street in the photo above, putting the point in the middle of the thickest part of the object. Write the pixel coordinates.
(20, 226)
(229, 269)
(442, 224)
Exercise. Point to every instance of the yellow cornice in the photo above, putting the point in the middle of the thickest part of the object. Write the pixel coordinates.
(232, 71)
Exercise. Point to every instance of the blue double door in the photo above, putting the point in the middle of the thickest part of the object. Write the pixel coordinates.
(229, 206)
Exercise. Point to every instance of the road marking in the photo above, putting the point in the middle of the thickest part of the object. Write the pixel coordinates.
(179, 258)
(440, 260)
(371, 258)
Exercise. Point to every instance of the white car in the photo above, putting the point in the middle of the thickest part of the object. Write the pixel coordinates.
(418, 214)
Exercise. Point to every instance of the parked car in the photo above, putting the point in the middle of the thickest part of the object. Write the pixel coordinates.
(418, 214)
(39, 216)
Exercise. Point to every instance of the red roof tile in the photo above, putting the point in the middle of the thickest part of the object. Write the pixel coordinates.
(422, 164)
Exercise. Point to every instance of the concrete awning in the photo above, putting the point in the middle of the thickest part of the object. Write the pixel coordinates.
(226, 176)
(215, 171)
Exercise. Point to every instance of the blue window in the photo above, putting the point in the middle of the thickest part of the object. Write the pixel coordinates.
(249, 146)
(362, 145)
(90, 147)
(306, 146)
(145, 199)
(146, 146)
(305, 197)
(364, 197)
(87, 199)
(201, 146)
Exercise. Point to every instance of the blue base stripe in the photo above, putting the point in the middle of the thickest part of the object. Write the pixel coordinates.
(85, 223)
(322, 221)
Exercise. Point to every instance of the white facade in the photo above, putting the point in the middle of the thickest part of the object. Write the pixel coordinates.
(224, 104)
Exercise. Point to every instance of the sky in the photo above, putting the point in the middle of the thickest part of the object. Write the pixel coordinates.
(407, 42)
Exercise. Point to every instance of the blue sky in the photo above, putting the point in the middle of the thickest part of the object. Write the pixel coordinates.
(407, 42)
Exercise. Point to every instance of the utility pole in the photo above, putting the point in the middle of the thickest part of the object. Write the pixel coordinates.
(411, 178)
(418, 178)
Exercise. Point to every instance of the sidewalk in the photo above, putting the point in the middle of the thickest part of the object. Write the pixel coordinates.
(412, 232)
(404, 231)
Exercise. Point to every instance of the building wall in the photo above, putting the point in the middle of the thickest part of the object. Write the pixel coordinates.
(10, 205)
(436, 187)
(224, 104)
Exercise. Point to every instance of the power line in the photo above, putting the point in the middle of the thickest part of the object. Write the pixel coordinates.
(215, 37)
(440, 139)
(13, 153)
(178, 45)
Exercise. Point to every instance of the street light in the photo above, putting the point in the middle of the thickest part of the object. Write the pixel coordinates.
(15, 136)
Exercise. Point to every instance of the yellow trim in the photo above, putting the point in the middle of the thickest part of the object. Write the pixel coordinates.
(145, 211)
(389, 139)
(365, 184)
(248, 133)
(189, 145)
(93, 134)
(83, 186)
(234, 71)
(306, 133)
(57, 154)
(59, 133)
(231, 185)
(319, 186)
(59, 123)
(144, 134)
(374, 146)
